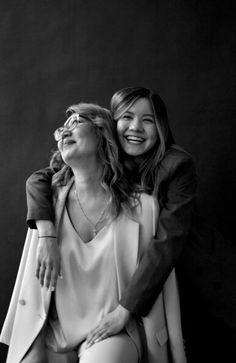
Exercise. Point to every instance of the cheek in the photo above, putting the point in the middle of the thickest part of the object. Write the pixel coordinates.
(120, 128)
(153, 137)
(59, 145)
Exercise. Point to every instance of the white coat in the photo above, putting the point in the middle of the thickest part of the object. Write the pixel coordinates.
(29, 304)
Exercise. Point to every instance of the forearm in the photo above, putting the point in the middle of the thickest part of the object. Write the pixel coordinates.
(48, 255)
(45, 229)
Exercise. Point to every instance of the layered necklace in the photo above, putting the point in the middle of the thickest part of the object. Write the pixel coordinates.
(94, 225)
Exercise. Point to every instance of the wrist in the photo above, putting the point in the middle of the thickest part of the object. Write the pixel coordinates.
(126, 314)
(46, 229)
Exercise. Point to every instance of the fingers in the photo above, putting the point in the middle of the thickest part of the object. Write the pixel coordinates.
(37, 269)
(53, 281)
(42, 270)
(100, 333)
(48, 263)
(47, 275)
(96, 337)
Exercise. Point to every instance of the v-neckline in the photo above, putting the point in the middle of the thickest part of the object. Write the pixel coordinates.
(77, 232)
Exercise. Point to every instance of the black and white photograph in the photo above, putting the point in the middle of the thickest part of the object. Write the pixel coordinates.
(118, 180)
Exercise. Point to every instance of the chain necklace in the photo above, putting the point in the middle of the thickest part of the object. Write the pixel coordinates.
(94, 225)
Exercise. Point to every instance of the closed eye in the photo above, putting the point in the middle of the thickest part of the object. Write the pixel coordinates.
(83, 118)
(127, 117)
(148, 120)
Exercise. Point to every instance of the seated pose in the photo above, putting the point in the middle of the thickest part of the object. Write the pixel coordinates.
(104, 225)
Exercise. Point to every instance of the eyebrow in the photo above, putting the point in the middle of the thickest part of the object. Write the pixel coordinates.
(146, 114)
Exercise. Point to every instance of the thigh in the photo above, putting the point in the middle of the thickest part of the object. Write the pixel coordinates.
(115, 349)
(68, 357)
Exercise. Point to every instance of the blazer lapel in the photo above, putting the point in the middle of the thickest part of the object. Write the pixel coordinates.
(126, 248)
(59, 200)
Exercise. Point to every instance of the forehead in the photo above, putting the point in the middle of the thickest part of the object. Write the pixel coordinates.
(143, 106)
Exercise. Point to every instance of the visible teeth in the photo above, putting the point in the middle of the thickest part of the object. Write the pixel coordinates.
(134, 138)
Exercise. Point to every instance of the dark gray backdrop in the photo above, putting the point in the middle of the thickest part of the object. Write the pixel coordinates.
(57, 52)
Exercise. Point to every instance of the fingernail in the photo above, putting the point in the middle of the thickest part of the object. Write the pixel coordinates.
(53, 288)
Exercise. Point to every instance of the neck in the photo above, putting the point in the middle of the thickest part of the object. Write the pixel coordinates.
(88, 179)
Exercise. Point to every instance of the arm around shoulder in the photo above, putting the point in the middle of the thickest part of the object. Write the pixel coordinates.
(39, 197)
(176, 197)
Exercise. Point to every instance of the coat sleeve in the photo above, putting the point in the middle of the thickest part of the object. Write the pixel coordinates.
(39, 197)
(177, 190)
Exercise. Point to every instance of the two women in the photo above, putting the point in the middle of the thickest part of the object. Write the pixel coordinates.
(207, 264)
(104, 227)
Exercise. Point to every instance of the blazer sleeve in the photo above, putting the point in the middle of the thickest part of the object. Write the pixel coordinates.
(39, 197)
(177, 190)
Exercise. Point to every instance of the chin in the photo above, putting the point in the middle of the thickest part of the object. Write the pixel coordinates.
(67, 157)
(133, 152)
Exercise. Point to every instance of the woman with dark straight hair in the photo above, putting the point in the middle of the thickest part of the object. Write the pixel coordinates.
(153, 163)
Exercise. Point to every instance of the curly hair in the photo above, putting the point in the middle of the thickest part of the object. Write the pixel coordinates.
(113, 180)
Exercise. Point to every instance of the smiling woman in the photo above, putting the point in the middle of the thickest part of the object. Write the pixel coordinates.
(103, 225)
(136, 128)
(144, 135)
(77, 138)
(72, 122)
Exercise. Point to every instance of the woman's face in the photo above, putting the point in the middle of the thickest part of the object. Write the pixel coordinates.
(77, 141)
(136, 128)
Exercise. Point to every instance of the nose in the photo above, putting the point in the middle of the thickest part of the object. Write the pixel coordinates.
(65, 133)
(136, 124)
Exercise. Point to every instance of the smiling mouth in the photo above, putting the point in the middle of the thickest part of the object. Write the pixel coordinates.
(68, 142)
(134, 139)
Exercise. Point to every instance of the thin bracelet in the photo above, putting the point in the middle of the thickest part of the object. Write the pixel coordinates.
(47, 237)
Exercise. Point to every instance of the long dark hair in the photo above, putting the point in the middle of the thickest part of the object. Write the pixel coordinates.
(148, 164)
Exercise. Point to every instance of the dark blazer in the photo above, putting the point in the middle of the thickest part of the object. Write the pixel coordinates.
(206, 262)
(177, 189)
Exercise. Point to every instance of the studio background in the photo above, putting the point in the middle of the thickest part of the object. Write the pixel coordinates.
(56, 53)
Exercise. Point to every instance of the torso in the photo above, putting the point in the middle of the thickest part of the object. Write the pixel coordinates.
(88, 289)
(92, 208)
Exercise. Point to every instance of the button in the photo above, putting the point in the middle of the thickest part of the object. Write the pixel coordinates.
(22, 302)
(40, 316)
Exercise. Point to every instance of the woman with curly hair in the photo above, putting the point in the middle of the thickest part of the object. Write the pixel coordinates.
(103, 226)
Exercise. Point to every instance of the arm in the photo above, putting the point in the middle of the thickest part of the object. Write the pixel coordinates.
(39, 197)
(41, 216)
(177, 191)
(48, 255)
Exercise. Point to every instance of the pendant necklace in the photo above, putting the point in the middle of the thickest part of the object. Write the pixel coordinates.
(94, 225)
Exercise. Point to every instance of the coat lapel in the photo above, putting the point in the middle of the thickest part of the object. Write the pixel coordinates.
(59, 200)
(126, 247)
